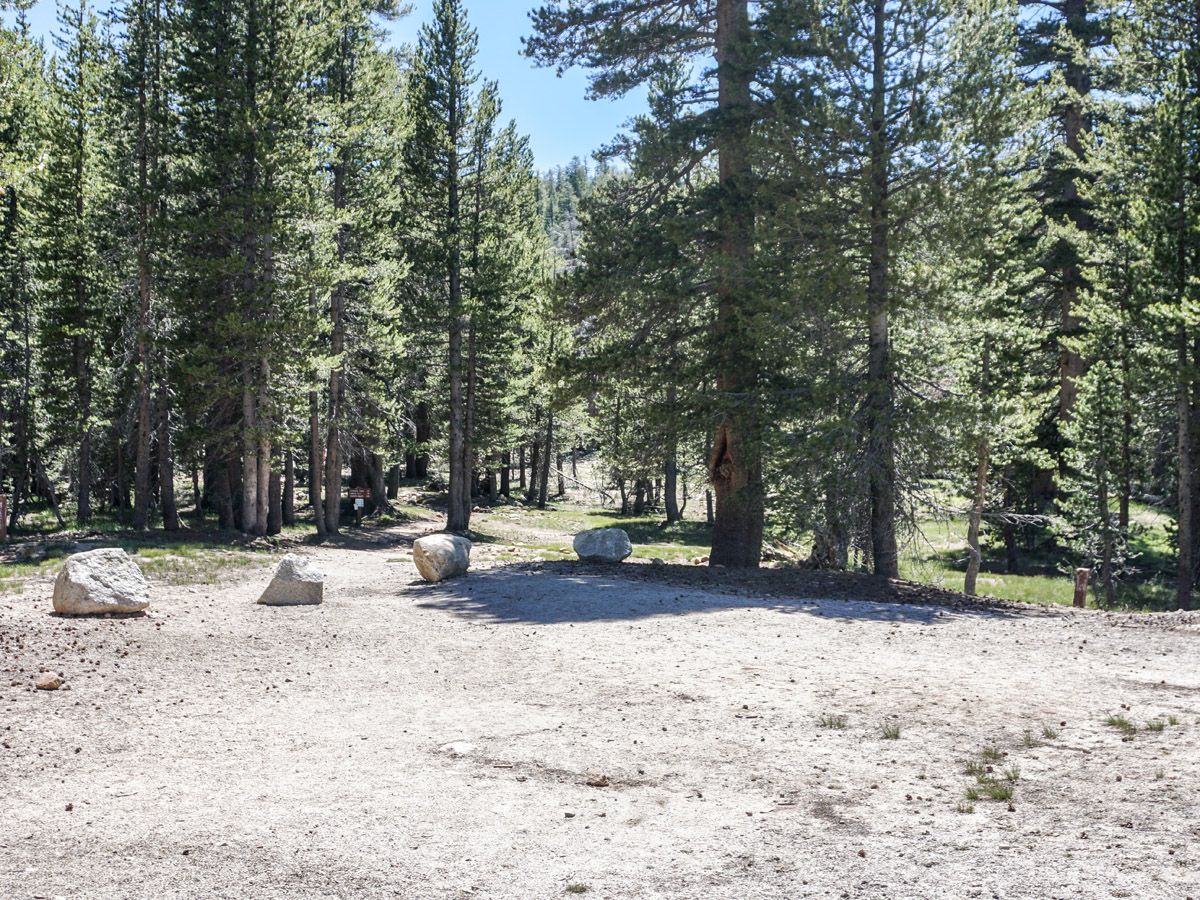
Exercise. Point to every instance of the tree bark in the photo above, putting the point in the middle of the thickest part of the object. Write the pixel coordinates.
(735, 467)
(978, 501)
(166, 465)
(289, 488)
(274, 502)
(506, 474)
(1185, 576)
(316, 462)
(880, 424)
(544, 487)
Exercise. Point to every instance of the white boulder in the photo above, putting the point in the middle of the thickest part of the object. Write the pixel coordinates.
(98, 582)
(297, 582)
(603, 545)
(442, 556)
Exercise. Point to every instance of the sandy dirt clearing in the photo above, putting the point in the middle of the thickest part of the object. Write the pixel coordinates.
(412, 741)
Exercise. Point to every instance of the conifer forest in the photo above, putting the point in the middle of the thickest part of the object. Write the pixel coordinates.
(861, 265)
(635, 449)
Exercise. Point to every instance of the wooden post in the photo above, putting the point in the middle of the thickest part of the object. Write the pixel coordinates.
(1082, 577)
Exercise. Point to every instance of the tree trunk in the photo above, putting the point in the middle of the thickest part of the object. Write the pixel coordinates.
(506, 474)
(521, 467)
(166, 465)
(1185, 577)
(289, 488)
(249, 463)
(671, 487)
(978, 501)
(224, 496)
(735, 467)
(274, 502)
(881, 444)
(393, 483)
(316, 462)
(544, 487)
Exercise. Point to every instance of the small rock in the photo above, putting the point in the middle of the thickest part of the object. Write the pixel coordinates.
(658, 562)
(459, 748)
(49, 681)
(569, 814)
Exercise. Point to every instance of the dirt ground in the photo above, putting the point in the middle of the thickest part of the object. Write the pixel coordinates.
(550, 730)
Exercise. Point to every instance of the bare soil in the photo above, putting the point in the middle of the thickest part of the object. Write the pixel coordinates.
(630, 731)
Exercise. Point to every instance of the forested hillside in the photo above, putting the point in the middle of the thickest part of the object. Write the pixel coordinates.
(860, 266)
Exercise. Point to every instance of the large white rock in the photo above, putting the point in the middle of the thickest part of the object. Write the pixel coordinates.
(100, 581)
(297, 582)
(603, 545)
(442, 556)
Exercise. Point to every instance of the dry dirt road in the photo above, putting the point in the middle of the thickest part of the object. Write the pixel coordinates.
(545, 732)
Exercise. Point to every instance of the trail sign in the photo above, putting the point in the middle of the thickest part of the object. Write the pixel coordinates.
(360, 493)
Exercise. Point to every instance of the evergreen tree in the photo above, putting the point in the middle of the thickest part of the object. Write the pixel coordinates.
(75, 326)
(628, 44)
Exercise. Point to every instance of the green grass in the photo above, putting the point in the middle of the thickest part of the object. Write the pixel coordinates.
(938, 552)
(835, 722)
(577, 888)
(890, 731)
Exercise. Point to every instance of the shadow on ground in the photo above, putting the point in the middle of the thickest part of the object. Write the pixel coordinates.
(559, 593)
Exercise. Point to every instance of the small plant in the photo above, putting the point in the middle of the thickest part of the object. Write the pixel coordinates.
(1156, 725)
(577, 888)
(890, 731)
(965, 808)
(974, 769)
(836, 722)
(972, 793)
(1160, 775)
(1172, 720)
(1012, 774)
(1029, 741)
(1049, 733)
(1122, 724)
(996, 790)
(991, 754)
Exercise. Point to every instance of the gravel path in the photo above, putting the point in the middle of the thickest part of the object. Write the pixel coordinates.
(527, 731)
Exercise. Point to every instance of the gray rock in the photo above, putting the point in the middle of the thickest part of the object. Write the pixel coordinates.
(98, 582)
(603, 545)
(297, 582)
(442, 556)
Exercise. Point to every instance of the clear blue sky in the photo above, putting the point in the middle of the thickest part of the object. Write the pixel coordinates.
(553, 111)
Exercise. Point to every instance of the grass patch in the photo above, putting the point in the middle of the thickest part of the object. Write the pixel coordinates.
(1172, 720)
(996, 790)
(1156, 725)
(890, 731)
(835, 722)
(992, 754)
(1049, 733)
(577, 888)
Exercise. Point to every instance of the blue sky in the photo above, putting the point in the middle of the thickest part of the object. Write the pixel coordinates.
(560, 121)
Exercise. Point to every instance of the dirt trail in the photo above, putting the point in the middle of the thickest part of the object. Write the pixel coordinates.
(219, 749)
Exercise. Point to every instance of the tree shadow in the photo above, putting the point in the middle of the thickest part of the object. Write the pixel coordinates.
(561, 593)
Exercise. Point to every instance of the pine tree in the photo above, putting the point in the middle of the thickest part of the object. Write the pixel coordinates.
(74, 323)
(24, 104)
(634, 43)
